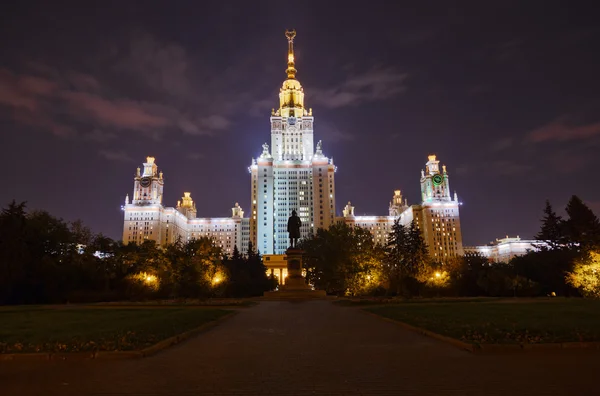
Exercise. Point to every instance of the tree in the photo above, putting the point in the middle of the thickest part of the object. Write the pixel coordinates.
(46, 260)
(582, 227)
(257, 274)
(496, 280)
(407, 259)
(417, 252)
(547, 269)
(102, 250)
(464, 273)
(586, 276)
(396, 249)
(206, 258)
(552, 230)
(81, 233)
(14, 252)
(247, 276)
(342, 260)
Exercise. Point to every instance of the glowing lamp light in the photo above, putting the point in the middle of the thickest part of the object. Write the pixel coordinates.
(150, 279)
(217, 279)
(437, 274)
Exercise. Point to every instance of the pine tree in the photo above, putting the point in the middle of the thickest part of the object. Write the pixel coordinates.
(552, 230)
(251, 252)
(417, 252)
(582, 227)
(397, 244)
(397, 255)
(236, 253)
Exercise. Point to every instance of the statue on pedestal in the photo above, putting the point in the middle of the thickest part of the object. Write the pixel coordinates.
(293, 228)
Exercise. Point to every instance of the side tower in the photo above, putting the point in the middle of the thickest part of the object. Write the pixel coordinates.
(262, 217)
(143, 214)
(323, 172)
(439, 217)
(397, 205)
(186, 206)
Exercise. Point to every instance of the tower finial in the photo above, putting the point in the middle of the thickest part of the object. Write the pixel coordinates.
(291, 70)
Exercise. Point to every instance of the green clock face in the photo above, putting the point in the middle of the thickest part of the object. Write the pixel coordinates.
(145, 182)
(437, 179)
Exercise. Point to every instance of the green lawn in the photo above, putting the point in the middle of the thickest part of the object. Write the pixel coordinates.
(500, 322)
(366, 301)
(69, 329)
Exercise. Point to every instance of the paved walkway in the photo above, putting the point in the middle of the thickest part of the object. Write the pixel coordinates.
(309, 348)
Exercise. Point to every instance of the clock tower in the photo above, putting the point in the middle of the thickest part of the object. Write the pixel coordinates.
(148, 186)
(438, 215)
(144, 214)
(434, 184)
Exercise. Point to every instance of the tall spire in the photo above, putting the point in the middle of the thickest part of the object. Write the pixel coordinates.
(291, 95)
(291, 70)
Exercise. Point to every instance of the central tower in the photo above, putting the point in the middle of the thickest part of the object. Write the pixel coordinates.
(291, 124)
(291, 174)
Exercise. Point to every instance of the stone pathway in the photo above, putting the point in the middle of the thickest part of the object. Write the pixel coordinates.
(309, 348)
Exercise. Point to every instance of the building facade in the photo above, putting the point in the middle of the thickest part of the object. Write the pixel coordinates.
(146, 218)
(291, 174)
(505, 249)
(437, 216)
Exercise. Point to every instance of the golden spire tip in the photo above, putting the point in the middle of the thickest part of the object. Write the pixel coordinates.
(291, 70)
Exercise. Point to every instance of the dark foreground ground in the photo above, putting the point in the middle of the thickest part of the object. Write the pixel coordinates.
(506, 321)
(282, 348)
(71, 328)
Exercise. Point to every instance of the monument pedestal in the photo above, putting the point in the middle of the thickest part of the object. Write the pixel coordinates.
(295, 286)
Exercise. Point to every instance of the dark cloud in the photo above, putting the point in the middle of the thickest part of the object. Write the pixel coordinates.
(83, 81)
(42, 102)
(195, 156)
(566, 160)
(155, 63)
(373, 85)
(117, 156)
(330, 133)
(23, 91)
(119, 113)
(502, 144)
(561, 130)
(100, 136)
(511, 168)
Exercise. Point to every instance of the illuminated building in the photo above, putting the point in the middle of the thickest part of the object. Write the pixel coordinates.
(505, 249)
(438, 214)
(291, 174)
(437, 217)
(147, 219)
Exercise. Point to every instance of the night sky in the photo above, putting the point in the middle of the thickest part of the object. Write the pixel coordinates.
(506, 94)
